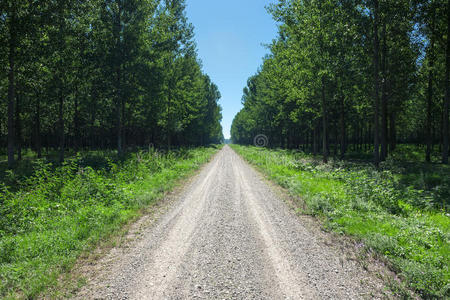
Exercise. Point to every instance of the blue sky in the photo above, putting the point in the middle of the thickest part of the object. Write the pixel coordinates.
(229, 36)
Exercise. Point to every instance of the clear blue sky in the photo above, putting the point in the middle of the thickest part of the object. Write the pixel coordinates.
(229, 35)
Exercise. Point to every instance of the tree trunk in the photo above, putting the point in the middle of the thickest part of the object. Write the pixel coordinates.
(76, 125)
(358, 136)
(361, 136)
(11, 86)
(315, 140)
(18, 129)
(392, 132)
(168, 121)
(61, 127)
(119, 128)
(123, 124)
(342, 127)
(37, 125)
(430, 92)
(93, 116)
(336, 138)
(117, 30)
(384, 100)
(324, 124)
(376, 108)
(447, 93)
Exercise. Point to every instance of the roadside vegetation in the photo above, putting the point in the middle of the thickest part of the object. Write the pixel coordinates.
(398, 211)
(50, 214)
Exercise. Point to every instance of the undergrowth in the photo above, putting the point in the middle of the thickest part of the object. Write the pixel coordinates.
(47, 219)
(407, 225)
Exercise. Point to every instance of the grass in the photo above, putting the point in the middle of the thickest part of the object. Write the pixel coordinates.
(389, 210)
(49, 216)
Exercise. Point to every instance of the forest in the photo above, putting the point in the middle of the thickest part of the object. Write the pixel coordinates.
(79, 75)
(353, 76)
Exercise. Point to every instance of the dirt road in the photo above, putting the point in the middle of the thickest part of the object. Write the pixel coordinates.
(229, 236)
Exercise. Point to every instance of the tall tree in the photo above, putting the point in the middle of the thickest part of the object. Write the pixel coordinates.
(13, 35)
(445, 129)
(431, 60)
(376, 81)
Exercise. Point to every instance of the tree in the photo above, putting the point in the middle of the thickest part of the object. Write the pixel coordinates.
(445, 130)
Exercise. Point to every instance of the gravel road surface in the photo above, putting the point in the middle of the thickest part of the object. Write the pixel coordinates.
(228, 235)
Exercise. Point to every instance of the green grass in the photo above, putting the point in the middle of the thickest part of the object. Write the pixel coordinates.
(406, 223)
(48, 218)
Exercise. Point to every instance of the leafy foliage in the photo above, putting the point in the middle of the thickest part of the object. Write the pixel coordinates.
(60, 212)
(352, 75)
(103, 74)
(398, 222)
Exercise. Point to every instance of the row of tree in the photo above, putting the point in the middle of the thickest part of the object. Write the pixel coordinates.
(102, 74)
(352, 73)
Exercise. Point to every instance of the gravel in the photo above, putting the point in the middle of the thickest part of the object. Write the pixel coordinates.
(228, 235)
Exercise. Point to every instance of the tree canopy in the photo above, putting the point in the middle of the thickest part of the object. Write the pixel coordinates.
(102, 74)
(365, 74)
